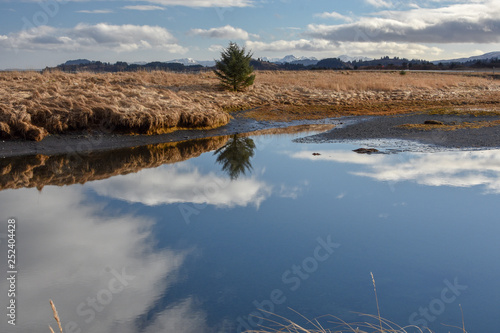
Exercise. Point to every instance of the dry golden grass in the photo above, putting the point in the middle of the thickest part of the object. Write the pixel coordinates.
(452, 127)
(372, 323)
(370, 81)
(56, 317)
(33, 105)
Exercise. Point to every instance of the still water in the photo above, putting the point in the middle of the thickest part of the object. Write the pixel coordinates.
(217, 235)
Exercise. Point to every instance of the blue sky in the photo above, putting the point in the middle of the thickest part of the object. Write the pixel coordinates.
(35, 34)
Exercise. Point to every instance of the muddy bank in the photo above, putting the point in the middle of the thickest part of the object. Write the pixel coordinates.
(75, 144)
(450, 134)
(444, 130)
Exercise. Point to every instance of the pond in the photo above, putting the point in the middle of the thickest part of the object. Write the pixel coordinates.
(225, 234)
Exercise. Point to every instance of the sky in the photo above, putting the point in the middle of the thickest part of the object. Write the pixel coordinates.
(35, 34)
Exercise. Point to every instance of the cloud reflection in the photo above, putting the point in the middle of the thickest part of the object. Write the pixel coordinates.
(71, 253)
(183, 183)
(450, 168)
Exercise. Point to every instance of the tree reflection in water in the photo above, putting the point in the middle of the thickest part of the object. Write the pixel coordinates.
(235, 156)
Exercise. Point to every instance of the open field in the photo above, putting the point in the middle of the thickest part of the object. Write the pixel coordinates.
(34, 105)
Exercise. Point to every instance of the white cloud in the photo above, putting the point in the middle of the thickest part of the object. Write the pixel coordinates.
(95, 11)
(185, 3)
(226, 32)
(314, 45)
(101, 36)
(204, 3)
(334, 15)
(329, 48)
(216, 48)
(182, 183)
(143, 7)
(379, 3)
(455, 23)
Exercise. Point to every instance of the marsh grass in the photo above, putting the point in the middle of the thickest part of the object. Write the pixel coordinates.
(34, 105)
(371, 324)
(56, 317)
(451, 127)
(368, 323)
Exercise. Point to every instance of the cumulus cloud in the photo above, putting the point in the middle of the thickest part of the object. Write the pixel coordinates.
(457, 23)
(86, 37)
(95, 11)
(379, 3)
(204, 3)
(226, 32)
(216, 48)
(353, 48)
(143, 7)
(334, 15)
(186, 3)
(290, 45)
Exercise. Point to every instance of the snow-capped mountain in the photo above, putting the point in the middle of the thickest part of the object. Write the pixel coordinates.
(184, 61)
(291, 59)
(191, 62)
(485, 56)
(346, 58)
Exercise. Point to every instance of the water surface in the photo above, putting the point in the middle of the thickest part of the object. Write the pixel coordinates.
(206, 236)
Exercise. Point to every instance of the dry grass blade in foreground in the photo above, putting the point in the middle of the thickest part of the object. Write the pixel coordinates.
(372, 324)
(379, 325)
(56, 317)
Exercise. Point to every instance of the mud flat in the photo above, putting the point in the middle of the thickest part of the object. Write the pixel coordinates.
(443, 130)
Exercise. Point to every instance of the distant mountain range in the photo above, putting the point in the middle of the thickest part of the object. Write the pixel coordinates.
(486, 56)
(293, 60)
(308, 61)
(289, 59)
(192, 62)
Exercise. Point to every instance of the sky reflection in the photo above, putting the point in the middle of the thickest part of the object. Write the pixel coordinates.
(452, 168)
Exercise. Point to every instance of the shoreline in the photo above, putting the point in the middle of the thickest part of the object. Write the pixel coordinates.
(455, 131)
(74, 144)
(77, 113)
(346, 128)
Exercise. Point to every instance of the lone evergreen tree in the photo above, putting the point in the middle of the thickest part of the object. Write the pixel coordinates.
(234, 70)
